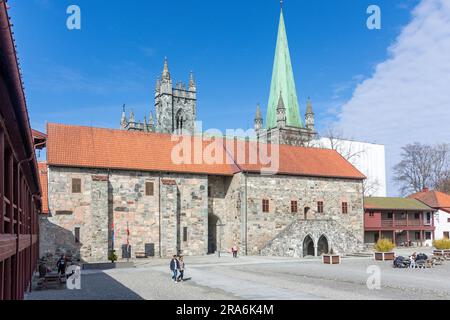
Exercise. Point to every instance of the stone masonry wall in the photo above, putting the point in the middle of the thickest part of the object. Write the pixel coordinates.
(281, 190)
(122, 200)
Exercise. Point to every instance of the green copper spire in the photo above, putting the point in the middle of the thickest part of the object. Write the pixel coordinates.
(283, 81)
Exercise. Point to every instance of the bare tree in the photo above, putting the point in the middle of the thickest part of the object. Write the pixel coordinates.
(371, 187)
(335, 140)
(345, 147)
(422, 166)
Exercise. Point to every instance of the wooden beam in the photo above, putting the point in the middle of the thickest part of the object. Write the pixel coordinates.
(2, 182)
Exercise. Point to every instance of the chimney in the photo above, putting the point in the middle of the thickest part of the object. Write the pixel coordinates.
(426, 190)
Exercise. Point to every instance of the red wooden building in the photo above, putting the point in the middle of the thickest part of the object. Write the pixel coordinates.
(404, 221)
(19, 178)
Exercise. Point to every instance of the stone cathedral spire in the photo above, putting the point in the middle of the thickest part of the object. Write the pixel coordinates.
(283, 80)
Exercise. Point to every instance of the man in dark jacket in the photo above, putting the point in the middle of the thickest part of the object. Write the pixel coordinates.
(61, 264)
(174, 266)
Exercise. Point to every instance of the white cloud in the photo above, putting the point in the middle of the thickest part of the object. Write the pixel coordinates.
(407, 99)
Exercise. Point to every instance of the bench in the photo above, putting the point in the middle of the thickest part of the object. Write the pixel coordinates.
(141, 255)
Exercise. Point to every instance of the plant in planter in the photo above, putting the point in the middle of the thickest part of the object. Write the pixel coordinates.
(383, 250)
(112, 256)
(442, 247)
(331, 258)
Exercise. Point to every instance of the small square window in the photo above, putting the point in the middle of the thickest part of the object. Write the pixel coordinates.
(265, 205)
(428, 235)
(76, 185)
(149, 188)
(344, 207)
(320, 207)
(390, 215)
(294, 206)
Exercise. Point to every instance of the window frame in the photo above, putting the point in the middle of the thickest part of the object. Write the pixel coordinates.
(148, 189)
(320, 207)
(74, 191)
(294, 206)
(265, 206)
(344, 207)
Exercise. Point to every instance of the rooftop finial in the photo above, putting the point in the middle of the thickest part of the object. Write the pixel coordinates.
(281, 4)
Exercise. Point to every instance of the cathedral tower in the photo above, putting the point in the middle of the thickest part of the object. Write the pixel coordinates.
(175, 106)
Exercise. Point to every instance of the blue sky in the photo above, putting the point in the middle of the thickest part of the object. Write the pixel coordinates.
(84, 77)
(387, 86)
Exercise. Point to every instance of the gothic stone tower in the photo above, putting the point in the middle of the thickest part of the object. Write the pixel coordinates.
(283, 123)
(175, 106)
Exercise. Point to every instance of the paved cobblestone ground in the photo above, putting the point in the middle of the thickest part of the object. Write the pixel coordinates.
(258, 278)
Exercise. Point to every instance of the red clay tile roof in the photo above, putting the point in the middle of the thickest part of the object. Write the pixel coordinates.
(74, 146)
(86, 147)
(434, 199)
(43, 178)
(292, 160)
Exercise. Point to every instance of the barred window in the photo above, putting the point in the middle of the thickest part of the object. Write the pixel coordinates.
(149, 188)
(265, 205)
(344, 207)
(320, 207)
(76, 185)
(294, 206)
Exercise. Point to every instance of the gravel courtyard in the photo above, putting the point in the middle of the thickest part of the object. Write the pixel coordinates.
(211, 278)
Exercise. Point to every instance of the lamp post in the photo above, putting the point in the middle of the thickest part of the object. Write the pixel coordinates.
(220, 239)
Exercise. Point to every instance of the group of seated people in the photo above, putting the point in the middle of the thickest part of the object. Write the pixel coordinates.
(415, 260)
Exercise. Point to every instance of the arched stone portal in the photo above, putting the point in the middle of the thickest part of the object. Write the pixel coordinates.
(213, 221)
(308, 247)
(322, 246)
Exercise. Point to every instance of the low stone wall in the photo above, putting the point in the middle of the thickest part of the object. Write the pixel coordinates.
(290, 242)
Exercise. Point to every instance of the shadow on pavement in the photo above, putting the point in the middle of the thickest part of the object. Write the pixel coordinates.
(99, 286)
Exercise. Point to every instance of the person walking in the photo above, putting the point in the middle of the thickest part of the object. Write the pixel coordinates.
(235, 250)
(174, 266)
(61, 265)
(182, 267)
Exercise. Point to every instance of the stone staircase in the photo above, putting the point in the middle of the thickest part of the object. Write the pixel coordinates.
(289, 242)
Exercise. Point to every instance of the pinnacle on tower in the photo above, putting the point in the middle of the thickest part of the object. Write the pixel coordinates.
(309, 107)
(123, 119)
(166, 73)
(151, 122)
(192, 86)
(309, 116)
(258, 118)
(281, 112)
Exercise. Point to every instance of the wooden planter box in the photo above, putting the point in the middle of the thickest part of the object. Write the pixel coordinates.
(331, 259)
(442, 253)
(384, 256)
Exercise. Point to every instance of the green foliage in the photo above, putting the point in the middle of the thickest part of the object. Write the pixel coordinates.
(442, 244)
(112, 256)
(384, 245)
